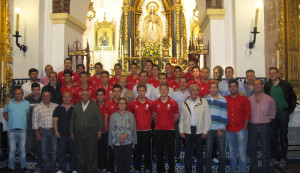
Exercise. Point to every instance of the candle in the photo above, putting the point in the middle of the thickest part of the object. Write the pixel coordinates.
(2, 71)
(17, 19)
(181, 47)
(277, 58)
(256, 17)
(170, 49)
(140, 48)
(122, 56)
(177, 50)
(130, 48)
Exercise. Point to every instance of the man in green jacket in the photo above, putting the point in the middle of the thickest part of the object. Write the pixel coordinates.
(85, 128)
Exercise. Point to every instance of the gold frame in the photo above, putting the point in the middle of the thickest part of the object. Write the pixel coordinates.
(105, 27)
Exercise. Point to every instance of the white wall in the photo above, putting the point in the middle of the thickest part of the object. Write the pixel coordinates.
(29, 29)
(244, 23)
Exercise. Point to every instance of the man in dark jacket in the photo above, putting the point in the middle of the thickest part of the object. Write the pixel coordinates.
(285, 98)
(54, 88)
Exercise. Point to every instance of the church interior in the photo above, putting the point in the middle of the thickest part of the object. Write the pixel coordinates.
(244, 34)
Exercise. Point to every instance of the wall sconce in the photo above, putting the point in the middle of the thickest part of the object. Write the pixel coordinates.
(251, 44)
(22, 47)
(91, 12)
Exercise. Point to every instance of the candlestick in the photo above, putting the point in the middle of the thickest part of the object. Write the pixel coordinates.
(130, 49)
(256, 17)
(140, 48)
(17, 19)
(177, 50)
(161, 55)
(122, 56)
(170, 49)
(2, 71)
(181, 47)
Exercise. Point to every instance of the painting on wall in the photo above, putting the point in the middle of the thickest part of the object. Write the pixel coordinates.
(105, 35)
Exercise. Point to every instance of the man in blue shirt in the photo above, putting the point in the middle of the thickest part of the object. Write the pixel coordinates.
(16, 113)
(223, 85)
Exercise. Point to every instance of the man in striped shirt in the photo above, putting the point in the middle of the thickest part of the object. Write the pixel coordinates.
(218, 109)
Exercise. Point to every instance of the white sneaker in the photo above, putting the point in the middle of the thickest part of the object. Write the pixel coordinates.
(215, 160)
(59, 171)
(74, 171)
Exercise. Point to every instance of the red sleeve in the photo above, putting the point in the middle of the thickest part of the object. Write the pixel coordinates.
(76, 78)
(105, 112)
(59, 78)
(129, 107)
(247, 108)
(176, 108)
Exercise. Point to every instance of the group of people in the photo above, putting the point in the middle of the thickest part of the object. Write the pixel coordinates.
(100, 120)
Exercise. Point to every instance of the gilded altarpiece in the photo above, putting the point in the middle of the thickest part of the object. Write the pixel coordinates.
(152, 29)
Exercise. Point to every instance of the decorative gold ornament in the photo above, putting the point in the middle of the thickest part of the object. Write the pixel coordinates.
(91, 12)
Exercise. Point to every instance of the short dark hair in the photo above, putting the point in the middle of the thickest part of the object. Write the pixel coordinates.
(80, 65)
(117, 86)
(149, 62)
(68, 59)
(182, 77)
(213, 84)
(163, 74)
(143, 71)
(46, 89)
(274, 68)
(19, 88)
(34, 85)
(196, 67)
(168, 64)
(68, 72)
(250, 71)
(233, 81)
(33, 70)
(155, 65)
(84, 72)
(53, 72)
(191, 60)
(99, 64)
(105, 72)
(141, 86)
(206, 68)
(118, 64)
(101, 90)
(229, 67)
(177, 67)
(134, 64)
(164, 85)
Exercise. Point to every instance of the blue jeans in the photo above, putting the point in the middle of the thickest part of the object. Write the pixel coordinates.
(212, 136)
(16, 136)
(237, 143)
(193, 142)
(49, 145)
(66, 145)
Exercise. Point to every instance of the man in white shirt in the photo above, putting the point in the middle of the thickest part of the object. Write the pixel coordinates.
(162, 80)
(144, 79)
(33, 76)
(180, 96)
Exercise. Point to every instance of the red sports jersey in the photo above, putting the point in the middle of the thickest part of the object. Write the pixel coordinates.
(94, 81)
(71, 90)
(113, 80)
(174, 85)
(108, 91)
(204, 87)
(150, 76)
(142, 113)
(165, 114)
(131, 82)
(103, 111)
(153, 82)
(188, 75)
(170, 79)
(61, 79)
(77, 93)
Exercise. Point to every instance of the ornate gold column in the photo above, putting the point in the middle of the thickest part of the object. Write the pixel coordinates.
(126, 12)
(5, 46)
(178, 9)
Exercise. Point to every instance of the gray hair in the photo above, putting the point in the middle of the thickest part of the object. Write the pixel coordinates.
(194, 85)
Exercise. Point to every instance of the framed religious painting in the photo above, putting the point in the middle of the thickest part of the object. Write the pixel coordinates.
(105, 33)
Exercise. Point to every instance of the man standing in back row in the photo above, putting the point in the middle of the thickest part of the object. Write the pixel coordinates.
(285, 98)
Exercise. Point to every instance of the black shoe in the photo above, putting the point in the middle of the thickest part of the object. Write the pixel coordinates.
(8, 170)
(24, 170)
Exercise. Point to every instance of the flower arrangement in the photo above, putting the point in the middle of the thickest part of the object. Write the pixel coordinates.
(151, 50)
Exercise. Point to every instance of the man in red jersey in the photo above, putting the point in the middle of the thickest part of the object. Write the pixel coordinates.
(84, 85)
(175, 83)
(112, 107)
(166, 113)
(196, 76)
(189, 74)
(68, 66)
(118, 74)
(141, 108)
(134, 78)
(169, 72)
(103, 142)
(68, 83)
(95, 80)
(148, 68)
(105, 85)
(203, 82)
(155, 74)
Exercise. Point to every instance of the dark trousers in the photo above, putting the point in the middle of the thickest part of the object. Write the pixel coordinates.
(280, 123)
(86, 149)
(110, 160)
(143, 147)
(66, 145)
(193, 142)
(260, 133)
(49, 149)
(102, 150)
(211, 138)
(177, 140)
(165, 141)
(123, 157)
